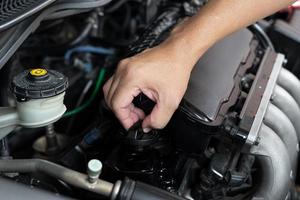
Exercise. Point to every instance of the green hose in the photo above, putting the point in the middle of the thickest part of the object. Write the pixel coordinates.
(99, 82)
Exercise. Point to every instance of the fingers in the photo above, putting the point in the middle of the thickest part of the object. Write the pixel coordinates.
(123, 107)
(112, 84)
(119, 99)
(138, 74)
(106, 88)
(129, 115)
(160, 116)
(112, 90)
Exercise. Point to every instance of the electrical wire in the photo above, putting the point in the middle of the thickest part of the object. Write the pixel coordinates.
(86, 89)
(99, 82)
(100, 78)
(89, 49)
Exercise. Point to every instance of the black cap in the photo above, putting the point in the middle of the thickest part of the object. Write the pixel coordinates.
(39, 83)
(137, 137)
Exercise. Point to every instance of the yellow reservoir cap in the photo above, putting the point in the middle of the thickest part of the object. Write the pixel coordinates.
(38, 72)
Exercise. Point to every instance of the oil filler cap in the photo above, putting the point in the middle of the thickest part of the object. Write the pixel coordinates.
(39, 83)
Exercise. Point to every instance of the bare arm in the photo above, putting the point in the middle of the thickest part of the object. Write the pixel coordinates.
(220, 18)
(162, 73)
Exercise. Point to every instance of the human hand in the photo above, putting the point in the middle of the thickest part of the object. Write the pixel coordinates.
(161, 73)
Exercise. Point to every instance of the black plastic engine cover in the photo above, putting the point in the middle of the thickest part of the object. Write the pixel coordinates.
(13, 11)
(211, 88)
(213, 92)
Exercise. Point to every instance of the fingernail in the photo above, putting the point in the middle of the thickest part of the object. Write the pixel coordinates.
(146, 130)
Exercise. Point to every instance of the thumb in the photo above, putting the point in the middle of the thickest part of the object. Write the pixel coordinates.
(159, 117)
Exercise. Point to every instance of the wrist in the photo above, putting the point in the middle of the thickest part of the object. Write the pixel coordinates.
(186, 44)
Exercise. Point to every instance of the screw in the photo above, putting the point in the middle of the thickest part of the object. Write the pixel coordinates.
(257, 141)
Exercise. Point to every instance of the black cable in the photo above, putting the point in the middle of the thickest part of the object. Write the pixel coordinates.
(262, 35)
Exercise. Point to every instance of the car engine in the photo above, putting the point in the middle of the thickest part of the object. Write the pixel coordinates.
(234, 136)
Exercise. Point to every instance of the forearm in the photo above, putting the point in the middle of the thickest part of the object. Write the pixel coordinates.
(162, 72)
(216, 20)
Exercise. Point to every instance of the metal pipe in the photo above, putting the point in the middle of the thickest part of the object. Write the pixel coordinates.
(283, 127)
(290, 83)
(287, 104)
(11, 189)
(67, 175)
(272, 157)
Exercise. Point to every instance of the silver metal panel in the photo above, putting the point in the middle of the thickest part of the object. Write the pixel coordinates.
(254, 131)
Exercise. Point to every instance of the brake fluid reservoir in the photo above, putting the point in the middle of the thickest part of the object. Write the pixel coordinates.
(40, 95)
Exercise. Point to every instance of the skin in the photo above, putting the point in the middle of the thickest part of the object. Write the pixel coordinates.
(162, 73)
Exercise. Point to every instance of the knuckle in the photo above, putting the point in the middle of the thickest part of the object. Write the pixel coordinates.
(130, 72)
(129, 68)
(137, 69)
(123, 63)
(114, 105)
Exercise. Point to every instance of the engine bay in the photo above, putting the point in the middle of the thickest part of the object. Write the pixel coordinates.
(235, 134)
